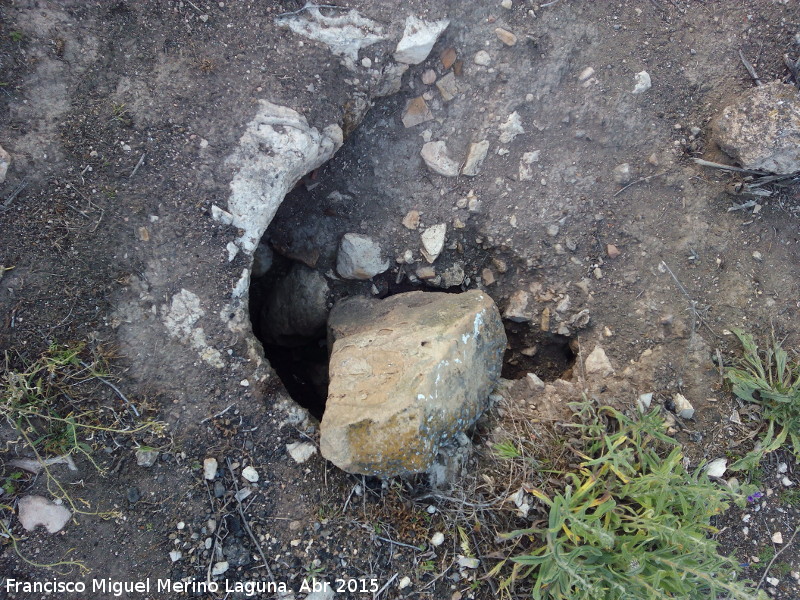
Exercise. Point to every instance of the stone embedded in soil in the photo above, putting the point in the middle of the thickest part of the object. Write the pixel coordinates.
(359, 257)
(250, 474)
(761, 130)
(407, 374)
(622, 174)
(517, 309)
(511, 128)
(475, 157)
(5, 162)
(683, 408)
(482, 58)
(643, 83)
(416, 112)
(448, 87)
(418, 39)
(219, 568)
(296, 307)
(429, 77)
(717, 467)
(433, 241)
(448, 58)
(146, 457)
(210, 468)
(525, 168)
(411, 220)
(436, 158)
(505, 36)
(37, 510)
(597, 363)
(301, 451)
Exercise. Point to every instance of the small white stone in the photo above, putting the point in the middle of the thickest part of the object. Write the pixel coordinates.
(782, 468)
(181, 525)
(468, 563)
(210, 468)
(683, 408)
(586, 74)
(507, 4)
(773, 581)
(787, 482)
(482, 58)
(777, 537)
(717, 467)
(433, 241)
(366, 62)
(418, 39)
(597, 363)
(244, 383)
(643, 83)
(437, 539)
(219, 568)
(404, 583)
(175, 555)
(250, 474)
(511, 128)
(301, 451)
(534, 381)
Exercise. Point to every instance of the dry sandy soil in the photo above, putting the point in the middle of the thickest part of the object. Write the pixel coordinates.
(98, 243)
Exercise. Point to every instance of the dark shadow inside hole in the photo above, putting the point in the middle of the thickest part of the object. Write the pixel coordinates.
(548, 355)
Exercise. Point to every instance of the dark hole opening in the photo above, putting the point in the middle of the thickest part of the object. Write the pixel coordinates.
(548, 355)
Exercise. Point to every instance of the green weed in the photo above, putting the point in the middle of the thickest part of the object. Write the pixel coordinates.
(632, 523)
(770, 379)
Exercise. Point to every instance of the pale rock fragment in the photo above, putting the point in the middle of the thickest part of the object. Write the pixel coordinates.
(250, 474)
(435, 156)
(433, 241)
(210, 468)
(525, 165)
(418, 39)
(511, 128)
(416, 112)
(301, 451)
(505, 36)
(5, 161)
(37, 510)
(717, 467)
(482, 58)
(475, 157)
(448, 87)
(597, 363)
(359, 257)
(411, 220)
(517, 309)
(643, 83)
(683, 408)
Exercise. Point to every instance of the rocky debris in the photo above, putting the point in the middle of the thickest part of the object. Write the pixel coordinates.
(425, 272)
(717, 467)
(296, 308)
(219, 568)
(597, 363)
(448, 58)
(586, 77)
(511, 128)
(451, 277)
(344, 34)
(505, 36)
(612, 251)
(482, 58)
(37, 510)
(146, 457)
(133, 494)
(475, 157)
(683, 408)
(433, 241)
(622, 174)
(35, 466)
(411, 220)
(236, 554)
(175, 555)
(507, 4)
(418, 39)
(644, 401)
(429, 77)
(777, 537)
(534, 381)
(436, 158)
(643, 83)
(487, 276)
(210, 467)
(5, 162)
(301, 451)
(761, 130)
(416, 112)
(250, 474)
(407, 373)
(448, 87)
(525, 168)
(391, 80)
(359, 257)
(517, 309)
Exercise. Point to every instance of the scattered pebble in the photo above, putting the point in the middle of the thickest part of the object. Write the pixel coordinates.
(487, 276)
(511, 128)
(612, 251)
(598, 273)
(447, 87)
(448, 58)
(717, 467)
(507, 4)
(33, 511)
(146, 457)
(643, 83)
(404, 583)
(433, 241)
(468, 563)
(418, 39)
(301, 451)
(505, 36)
(5, 161)
(436, 158)
(757, 255)
(416, 112)
(219, 568)
(411, 220)
(429, 77)
(175, 555)
(534, 381)
(683, 408)
(552, 230)
(210, 468)
(475, 157)
(250, 474)
(482, 58)
(133, 494)
(597, 363)
(586, 74)
(359, 257)
(786, 482)
(777, 537)
(622, 174)
(437, 539)
(517, 308)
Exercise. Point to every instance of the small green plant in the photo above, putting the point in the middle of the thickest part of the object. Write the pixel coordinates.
(632, 523)
(790, 497)
(506, 450)
(766, 554)
(770, 379)
(16, 36)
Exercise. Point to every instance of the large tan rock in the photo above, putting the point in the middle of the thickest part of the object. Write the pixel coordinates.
(762, 129)
(407, 374)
